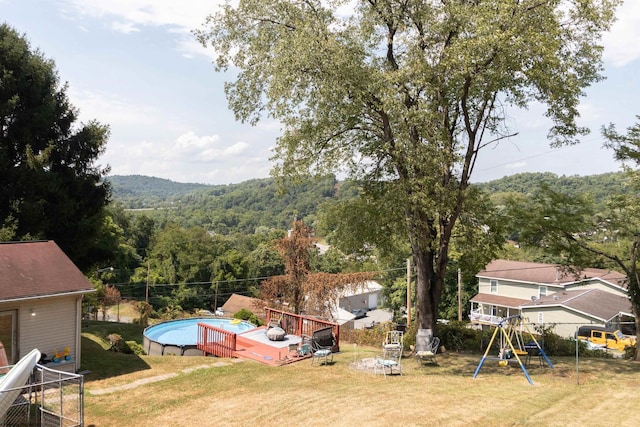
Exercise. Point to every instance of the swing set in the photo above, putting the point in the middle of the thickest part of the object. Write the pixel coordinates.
(512, 345)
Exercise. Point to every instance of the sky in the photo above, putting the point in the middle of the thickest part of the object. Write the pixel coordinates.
(135, 66)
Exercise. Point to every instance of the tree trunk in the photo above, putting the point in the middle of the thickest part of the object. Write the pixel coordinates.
(429, 273)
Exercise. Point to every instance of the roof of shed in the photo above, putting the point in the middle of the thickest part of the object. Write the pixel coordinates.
(38, 269)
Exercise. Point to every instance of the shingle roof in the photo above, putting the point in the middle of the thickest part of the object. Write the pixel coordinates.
(594, 302)
(237, 302)
(499, 300)
(547, 274)
(38, 269)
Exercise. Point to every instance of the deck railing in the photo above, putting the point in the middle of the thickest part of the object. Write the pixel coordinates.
(216, 341)
(479, 317)
(300, 325)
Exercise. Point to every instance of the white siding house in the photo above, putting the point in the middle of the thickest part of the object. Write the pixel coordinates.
(546, 294)
(41, 294)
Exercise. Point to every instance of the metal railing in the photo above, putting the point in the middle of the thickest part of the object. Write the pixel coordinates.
(49, 398)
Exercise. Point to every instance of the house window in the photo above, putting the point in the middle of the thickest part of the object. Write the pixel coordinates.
(542, 291)
(493, 286)
(540, 318)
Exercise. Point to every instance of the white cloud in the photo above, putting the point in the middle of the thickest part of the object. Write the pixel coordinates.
(622, 43)
(185, 15)
(108, 108)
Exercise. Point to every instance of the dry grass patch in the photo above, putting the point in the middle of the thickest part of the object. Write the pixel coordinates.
(446, 395)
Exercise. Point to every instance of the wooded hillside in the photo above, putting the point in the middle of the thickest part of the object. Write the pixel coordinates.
(245, 206)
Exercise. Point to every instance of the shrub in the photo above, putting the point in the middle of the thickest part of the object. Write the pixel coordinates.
(249, 316)
(459, 337)
(135, 348)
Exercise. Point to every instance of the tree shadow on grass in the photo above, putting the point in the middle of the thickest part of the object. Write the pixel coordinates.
(103, 363)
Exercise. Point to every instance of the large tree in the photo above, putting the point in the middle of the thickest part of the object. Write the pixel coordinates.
(50, 187)
(407, 93)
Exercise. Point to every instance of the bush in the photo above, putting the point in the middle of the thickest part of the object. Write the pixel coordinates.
(135, 348)
(630, 353)
(459, 337)
(248, 315)
(116, 343)
(373, 337)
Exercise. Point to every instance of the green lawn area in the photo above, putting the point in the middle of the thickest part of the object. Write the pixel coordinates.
(203, 391)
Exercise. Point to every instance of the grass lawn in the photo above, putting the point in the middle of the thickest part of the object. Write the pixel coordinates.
(207, 391)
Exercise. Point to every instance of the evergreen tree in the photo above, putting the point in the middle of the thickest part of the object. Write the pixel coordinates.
(50, 187)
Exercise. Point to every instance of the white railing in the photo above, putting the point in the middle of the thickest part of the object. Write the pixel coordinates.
(478, 317)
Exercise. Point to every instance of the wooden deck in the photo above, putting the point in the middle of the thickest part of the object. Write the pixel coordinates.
(255, 345)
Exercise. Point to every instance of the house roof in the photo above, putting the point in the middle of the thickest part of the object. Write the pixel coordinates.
(368, 287)
(499, 300)
(594, 302)
(38, 269)
(546, 274)
(237, 302)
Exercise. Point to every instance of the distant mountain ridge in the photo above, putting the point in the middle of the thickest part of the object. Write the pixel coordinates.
(247, 205)
(132, 186)
(141, 186)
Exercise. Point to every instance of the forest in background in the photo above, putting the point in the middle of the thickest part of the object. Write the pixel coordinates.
(242, 207)
(184, 247)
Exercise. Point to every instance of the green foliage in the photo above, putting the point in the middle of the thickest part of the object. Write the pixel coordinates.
(403, 98)
(135, 348)
(373, 337)
(50, 187)
(225, 209)
(599, 186)
(553, 344)
(459, 337)
(249, 316)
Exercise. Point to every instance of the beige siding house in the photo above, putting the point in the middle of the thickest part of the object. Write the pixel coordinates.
(545, 294)
(41, 294)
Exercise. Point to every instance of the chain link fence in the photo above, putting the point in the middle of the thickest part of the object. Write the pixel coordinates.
(49, 399)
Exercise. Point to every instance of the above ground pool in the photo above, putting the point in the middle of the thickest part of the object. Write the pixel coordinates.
(180, 337)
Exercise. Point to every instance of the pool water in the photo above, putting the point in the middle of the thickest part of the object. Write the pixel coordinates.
(185, 331)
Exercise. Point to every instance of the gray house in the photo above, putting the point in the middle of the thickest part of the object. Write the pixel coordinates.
(41, 293)
(545, 294)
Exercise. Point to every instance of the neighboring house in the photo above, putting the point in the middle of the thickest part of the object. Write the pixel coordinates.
(368, 297)
(41, 293)
(545, 294)
(237, 302)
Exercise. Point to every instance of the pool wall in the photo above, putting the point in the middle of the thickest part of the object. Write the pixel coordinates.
(155, 348)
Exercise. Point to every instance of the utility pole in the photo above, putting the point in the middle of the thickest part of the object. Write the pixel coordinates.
(146, 293)
(408, 292)
(215, 301)
(459, 295)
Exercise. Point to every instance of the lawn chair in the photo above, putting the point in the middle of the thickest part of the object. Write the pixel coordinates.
(304, 350)
(391, 354)
(393, 341)
(322, 343)
(426, 349)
